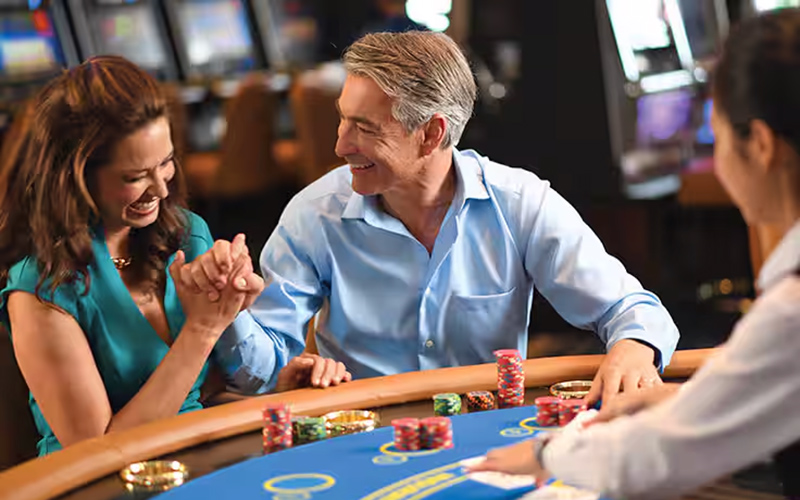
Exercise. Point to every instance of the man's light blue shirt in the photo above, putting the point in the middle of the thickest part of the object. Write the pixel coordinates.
(388, 306)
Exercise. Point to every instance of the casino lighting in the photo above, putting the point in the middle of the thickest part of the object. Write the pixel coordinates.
(764, 5)
(665, 81)
(431, 13)
(679, 33)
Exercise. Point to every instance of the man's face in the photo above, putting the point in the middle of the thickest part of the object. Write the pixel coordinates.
(381, 153)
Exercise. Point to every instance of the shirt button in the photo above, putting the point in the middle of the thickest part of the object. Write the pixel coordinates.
(429, 343)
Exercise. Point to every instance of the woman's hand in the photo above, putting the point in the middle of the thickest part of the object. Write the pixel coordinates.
(633, 402)
(224, 264)
(204, 314)
(517, 459)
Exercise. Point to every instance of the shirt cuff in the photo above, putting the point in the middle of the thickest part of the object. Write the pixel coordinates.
(249, 356)
(657, 354)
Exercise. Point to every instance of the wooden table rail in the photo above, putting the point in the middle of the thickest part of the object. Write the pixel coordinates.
(55, 474)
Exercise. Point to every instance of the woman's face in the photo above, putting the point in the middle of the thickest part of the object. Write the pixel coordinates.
(130, 188)
(736, 168)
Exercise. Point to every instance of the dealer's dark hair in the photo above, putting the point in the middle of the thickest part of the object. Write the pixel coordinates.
(758, 75)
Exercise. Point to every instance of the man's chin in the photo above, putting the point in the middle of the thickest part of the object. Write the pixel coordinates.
(364, 189)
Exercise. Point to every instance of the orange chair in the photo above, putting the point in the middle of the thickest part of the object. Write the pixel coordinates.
(316, 122)
(246, 164)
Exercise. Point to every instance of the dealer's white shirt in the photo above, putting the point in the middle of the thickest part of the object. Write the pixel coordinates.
(742, 406)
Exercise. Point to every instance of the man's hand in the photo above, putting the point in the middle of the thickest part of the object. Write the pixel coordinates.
(310, 370)
(516, 459)
(634, 402)
(627, 367)
(226, 262)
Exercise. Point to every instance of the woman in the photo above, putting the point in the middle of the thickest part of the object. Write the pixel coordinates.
(92, 232)
(744, 405)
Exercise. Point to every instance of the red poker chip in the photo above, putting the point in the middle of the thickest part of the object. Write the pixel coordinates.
(507, 352)
(406, 434)
(573, 404)
(436, 432)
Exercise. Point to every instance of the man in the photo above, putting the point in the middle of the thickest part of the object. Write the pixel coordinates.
(418, 256)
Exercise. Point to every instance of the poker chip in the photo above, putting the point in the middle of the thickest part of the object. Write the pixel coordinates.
(548, 411)
(309, 429)
(510, 378)
(479, 401)
(436, 433)
(407, 434)
(277, 413)
(569, 409)
(277, 431)
(446, 404)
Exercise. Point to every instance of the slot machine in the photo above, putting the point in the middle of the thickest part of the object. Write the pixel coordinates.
(35, 45)
(290, 32)
(216, 43)
(133, 29)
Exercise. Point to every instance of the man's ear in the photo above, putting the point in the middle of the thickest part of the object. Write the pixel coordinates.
(433, 133)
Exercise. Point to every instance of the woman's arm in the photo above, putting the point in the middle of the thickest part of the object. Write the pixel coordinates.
(58, 365)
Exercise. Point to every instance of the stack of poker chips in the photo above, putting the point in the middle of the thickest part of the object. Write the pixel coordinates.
(406, 434)
(309, 429)
(510, 378)
(277, 432)
(446, 404)
(548, 411)
(569, 409)
(480, 401)
(436, 433)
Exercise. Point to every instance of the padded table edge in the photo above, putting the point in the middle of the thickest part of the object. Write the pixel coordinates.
(60, 472)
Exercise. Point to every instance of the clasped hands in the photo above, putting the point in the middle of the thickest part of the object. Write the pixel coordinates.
(228, 264)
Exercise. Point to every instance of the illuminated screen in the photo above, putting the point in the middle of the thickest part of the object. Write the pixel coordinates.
(296, 31)
(702, 27)
(765, 5)
(28, 44)
(643, 28)
(663, 117)
(215, 30)
(644, 23)
(129, 31)
(705, 135)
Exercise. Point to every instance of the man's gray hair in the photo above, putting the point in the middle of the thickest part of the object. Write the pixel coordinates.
(423, 72)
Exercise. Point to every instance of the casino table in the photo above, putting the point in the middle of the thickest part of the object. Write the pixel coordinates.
(222, 446)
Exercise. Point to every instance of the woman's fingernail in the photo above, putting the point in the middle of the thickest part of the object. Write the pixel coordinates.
(241, 283)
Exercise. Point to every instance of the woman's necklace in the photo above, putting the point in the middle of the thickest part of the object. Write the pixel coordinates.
(121, 263)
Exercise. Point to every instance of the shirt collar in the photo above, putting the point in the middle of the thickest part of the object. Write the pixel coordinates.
(356, 206)
(469, 184)
(470, 177)
(783, 261)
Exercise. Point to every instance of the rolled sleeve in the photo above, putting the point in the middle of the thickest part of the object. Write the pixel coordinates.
(588, 287)
(250, 355)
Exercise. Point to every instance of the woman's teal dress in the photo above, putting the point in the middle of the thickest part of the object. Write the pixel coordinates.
(125, 346)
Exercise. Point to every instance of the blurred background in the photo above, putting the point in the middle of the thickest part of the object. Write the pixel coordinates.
(605, 98)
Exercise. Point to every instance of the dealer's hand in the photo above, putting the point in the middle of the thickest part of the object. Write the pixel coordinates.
(633, 402)
(517, 459)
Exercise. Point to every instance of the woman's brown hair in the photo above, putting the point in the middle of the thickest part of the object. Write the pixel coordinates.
(71, 129)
